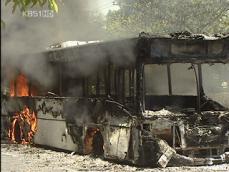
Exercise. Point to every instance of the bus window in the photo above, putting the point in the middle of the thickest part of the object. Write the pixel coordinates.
(127, 83)
(91, 85)
(156, 80)
(101, 90)
(72, 85)
(216, 82)
(96, 84)
(112, 80)
(133, 83)
(183, 79)
(119, 82)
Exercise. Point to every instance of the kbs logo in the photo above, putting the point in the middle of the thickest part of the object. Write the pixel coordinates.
(40, 13)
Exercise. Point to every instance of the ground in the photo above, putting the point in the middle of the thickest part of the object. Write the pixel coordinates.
(20, 158)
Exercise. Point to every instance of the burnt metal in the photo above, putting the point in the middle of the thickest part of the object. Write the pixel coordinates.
(197, 89)
(151, 130)
(169, 79)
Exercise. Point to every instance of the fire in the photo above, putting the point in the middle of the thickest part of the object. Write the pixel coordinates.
(20, 87)
(89, 140)
(24, 123)
(23, 126)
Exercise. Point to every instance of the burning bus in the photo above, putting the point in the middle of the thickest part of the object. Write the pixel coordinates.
(149, 100)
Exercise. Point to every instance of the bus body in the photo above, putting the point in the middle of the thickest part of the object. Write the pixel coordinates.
(140, 100)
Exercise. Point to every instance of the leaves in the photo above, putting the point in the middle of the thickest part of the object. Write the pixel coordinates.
(24, 4)
(34, 2)
(163, 17)
(53, 5)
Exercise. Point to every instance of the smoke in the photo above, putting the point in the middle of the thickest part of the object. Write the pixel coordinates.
(92, 58)
(80, 111)
(26, 36)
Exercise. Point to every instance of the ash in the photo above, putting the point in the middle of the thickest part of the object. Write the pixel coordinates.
(19, 158)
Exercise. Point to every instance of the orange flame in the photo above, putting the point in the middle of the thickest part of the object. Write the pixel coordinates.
(20, 87)
(24, 124)
(89, 139)
(23, 127)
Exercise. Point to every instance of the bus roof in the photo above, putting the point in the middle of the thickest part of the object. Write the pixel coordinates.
(195, 48)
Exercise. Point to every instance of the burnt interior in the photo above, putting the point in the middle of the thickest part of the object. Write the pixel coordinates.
(113, 93)
(153, 102)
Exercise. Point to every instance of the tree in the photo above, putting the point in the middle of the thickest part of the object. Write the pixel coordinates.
(23, 5)
(163, 17)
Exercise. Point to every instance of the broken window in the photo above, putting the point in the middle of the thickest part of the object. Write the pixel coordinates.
(91, 85)
(96, 83)
(101, 89)
(216, 82)
(120, 81)
(116, 82)
(19, 83)
(156, 80)
(183, 79)
(127, 82)
(133, 82)
(72, 84)
(130, 80)
(73, 87)
(112, 80)
(169, 86)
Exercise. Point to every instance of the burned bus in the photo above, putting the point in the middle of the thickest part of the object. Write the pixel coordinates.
(149, 100)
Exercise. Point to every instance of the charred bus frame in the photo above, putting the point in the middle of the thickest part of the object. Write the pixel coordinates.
(109, 101)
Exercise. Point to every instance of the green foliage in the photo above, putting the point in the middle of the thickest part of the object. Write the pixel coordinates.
(166, 16)
(53, 5)
(23, 5)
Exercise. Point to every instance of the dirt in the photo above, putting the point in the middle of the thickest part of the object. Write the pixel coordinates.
(20, 158)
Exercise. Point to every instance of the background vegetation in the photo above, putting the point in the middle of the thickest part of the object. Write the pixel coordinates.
(166, 16)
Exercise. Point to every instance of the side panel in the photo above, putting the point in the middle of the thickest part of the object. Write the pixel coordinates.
(119, 142)
(54, 133)
(119, 130)
(52, 128)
